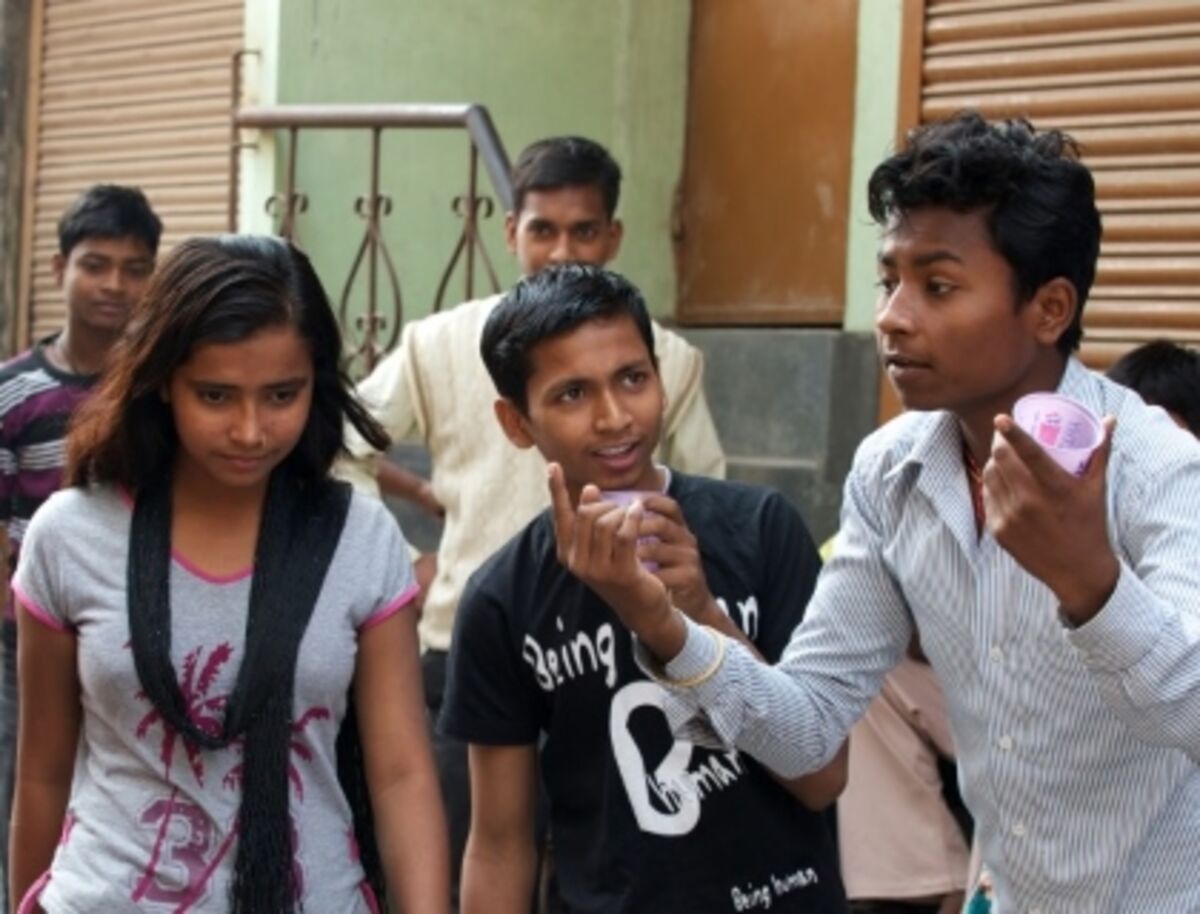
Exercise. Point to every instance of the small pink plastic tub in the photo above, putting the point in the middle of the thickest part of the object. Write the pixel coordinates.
(625, 498)
(1067, 429)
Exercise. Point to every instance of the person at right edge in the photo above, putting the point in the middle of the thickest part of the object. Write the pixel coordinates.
(1061, 613)
(1164, 374)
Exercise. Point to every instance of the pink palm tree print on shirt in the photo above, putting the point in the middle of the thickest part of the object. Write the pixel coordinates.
(195, 838)
(190, 857)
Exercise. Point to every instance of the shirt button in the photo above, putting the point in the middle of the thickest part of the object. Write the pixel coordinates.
(996, 655)
(1018, 830)
(1005, 743)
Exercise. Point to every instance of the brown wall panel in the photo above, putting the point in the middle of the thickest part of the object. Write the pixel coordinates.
(761, 227)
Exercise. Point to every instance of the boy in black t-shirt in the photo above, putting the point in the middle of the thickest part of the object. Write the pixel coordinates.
(542, 671)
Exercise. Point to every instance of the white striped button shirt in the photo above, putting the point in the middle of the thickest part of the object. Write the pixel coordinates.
(1078, 749)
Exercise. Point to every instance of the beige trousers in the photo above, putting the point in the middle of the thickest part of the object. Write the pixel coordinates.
(897, 837)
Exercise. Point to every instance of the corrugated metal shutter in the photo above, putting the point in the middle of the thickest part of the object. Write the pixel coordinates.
(1124, 78)
(130, 92)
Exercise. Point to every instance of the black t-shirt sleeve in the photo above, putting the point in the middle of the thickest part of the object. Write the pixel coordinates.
(489, 696)
(791, 566)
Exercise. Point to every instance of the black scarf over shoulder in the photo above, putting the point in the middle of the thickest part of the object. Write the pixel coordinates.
(299, 531)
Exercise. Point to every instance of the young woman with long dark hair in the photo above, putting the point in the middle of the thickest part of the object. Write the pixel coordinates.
(203, 610)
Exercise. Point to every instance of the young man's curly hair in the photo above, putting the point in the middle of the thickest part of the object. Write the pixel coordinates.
(1038, 198)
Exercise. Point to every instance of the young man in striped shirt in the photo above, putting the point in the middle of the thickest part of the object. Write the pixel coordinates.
(107, 242)
(1061, 613)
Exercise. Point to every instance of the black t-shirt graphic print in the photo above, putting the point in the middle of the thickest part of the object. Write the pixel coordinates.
(643, 821)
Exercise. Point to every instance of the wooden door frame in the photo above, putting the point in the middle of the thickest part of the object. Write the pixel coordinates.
(23, 317)
(908, 116)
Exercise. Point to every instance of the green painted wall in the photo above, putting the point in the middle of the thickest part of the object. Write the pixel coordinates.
(615, 71)
(875, 112)
(256, 173)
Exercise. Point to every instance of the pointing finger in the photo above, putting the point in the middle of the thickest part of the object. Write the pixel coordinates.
(561, 512)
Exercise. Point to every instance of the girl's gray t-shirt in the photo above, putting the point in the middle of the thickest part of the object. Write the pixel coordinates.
(150, 820)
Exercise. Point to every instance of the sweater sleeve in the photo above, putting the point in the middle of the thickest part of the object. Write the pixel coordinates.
(387, 393)
(690, 442)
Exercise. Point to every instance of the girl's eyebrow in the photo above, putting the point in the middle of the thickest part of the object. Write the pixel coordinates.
(297, 381)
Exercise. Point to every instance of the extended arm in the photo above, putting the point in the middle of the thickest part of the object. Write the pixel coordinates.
(500, 862)
(398, 482)
(690, 442)
(409, 822)
(387, 393)
(820, 790)
(669, 543)
(792, 717)
(50, 716)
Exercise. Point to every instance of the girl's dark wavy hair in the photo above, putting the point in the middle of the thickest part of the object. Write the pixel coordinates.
(213, 290)
(1038, 198)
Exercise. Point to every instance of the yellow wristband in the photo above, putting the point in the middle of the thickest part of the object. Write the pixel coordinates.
(693, 681)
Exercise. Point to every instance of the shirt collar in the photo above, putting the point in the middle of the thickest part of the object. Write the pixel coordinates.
(1079, 383)
(942, 477)
(939, 435)
(936, 456)
(666, 475)
(935, 436)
